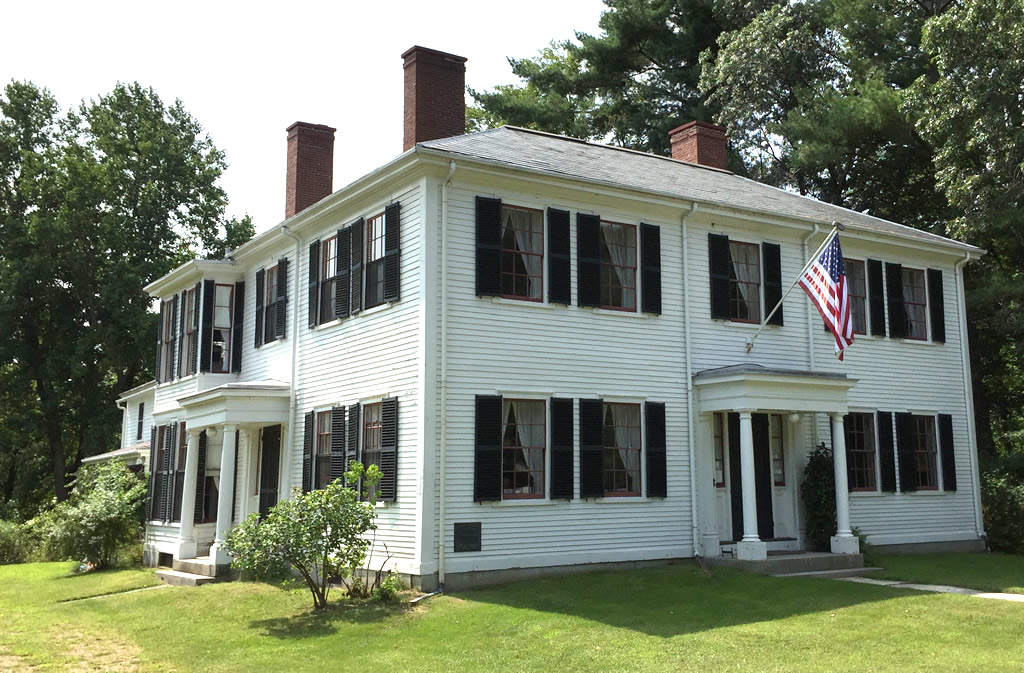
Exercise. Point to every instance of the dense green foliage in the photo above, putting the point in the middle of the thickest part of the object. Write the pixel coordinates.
(13, 548)
(818, 494)
(321, 535)
(94, 204)
(101, 517)
(661, 619)
(1002, 500)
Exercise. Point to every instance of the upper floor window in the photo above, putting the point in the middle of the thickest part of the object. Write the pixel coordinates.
(740, 273)
(522, 253)
(857, 288)
(618, 266)
(138, 422)
(167, 338)
(860, 451)
(188, 366)
(322, 466)
(329, 276)
(915, 303)
(375, 230)
(621, 449)
(522, 448)
(922, 439)
(270, 305)
(223, 309)
(744, 282)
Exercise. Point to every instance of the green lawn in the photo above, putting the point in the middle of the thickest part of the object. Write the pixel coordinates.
(668, 619)
(985, 572)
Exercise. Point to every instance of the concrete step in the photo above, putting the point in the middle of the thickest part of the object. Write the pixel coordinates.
(831, 574)
(201, 566)
(178, 578)
(784, 564)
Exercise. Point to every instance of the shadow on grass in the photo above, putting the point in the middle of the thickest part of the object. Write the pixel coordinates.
(317, 623)
(680, 599)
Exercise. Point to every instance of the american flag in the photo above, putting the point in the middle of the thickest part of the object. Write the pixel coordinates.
(824, 281)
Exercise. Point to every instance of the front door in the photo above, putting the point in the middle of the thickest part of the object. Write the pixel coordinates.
(270, 461)
(762, 477)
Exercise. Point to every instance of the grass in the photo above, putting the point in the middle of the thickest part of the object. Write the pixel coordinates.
(1002, 573)
(671, 618)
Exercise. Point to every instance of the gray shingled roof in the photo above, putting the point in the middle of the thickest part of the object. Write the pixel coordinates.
(578, 159)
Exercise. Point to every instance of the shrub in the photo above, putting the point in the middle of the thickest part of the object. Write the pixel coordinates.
(389, 589)
(818, 492)
(13, 546)
(1002, 501)
(320, 535)
(99, 518)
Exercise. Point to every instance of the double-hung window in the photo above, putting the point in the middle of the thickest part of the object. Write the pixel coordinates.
(618, 266)
(188, 367)
(860, 451)
(223, 309)
(622, 449)
(856, 285)
(522, 253)
(375, 229)
(744, 282)
(322, 466)
(270, 305)
(523, 440)
(915, 304)
(329, 277)
(922, 439)
(139, 420)
(167, 337)
(371, 448)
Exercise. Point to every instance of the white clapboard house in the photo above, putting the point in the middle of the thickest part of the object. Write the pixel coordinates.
(541, 341)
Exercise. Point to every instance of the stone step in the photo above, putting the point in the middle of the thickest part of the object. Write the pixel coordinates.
(831, 574)
(201, 566)
(800, 562)
(178, 578)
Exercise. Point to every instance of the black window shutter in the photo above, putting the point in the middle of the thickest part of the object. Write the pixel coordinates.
(153, 476)
(650, 268)
(876, 297)
(487, 459)
(591, 448)
(771, 255)
(559, 252)
(258, 336)
(313, 317)
(886, 451)
(588, 260)
(392, 252)
(197, 513)
(897, 312)
(236, 327)
(936, 306)
(657, 447)
(339, 464)
(166, 474)
(562, 444)
(282, 299)
(180, 368)
(194, 352)
(307, 452)
(388, 486)
(343, 276)
(946, 449)
(172, 369)
(352, 438)
(206, 332)
(488, 247)
(905, 449)
(159, 342)
(139, 421)
(356, 258)
(719, 265)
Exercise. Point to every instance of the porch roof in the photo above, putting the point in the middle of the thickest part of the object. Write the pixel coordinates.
(242, 403)
(758, 388)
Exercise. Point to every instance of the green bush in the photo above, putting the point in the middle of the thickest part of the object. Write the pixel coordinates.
(13, 545)
(1002, 501)
(818, 492)
(389, 589)
(98, 520)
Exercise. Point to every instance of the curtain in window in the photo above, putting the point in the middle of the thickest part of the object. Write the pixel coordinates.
(528, 415)
(618, 245)
(519, 221)
(626, 418)
(746, 272)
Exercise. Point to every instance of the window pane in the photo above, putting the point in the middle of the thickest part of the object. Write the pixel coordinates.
(618, 265)
(745, 282)
(915, 303)
(622, 449)
(522, 243)
(857, 289)
(524, 435)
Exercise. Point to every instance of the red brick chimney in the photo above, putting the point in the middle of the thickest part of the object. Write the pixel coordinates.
(310, 166)
(699, 143)
(435, 95)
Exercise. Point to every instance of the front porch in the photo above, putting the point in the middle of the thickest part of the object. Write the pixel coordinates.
(756, 420)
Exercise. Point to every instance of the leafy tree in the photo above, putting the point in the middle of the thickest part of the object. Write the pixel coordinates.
(321, 535)
(101, 516)
(93, 205)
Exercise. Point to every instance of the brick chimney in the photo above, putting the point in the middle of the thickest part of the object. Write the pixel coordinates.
(699, 143)
(310, 166)
(435, 95)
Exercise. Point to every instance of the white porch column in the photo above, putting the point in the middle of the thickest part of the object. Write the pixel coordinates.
(750, 548)
(843, 542)
(186, 538)
(227, 486)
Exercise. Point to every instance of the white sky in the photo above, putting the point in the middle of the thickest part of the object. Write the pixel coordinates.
(248, 70)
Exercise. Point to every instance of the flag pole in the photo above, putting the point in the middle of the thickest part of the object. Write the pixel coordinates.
(836, 228)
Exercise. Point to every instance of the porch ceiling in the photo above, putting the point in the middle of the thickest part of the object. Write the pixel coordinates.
(254, 402)
(758, 388)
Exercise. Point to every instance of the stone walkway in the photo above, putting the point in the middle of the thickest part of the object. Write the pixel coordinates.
(936, 588)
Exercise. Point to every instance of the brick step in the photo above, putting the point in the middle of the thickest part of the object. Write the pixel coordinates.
(831, 574)
(201, 566)
(178, 578)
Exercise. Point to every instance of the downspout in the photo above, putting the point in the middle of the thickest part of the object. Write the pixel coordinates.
(292, 395)
(810, 319)
(443, 449)
(972, 433)
(691, 440)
